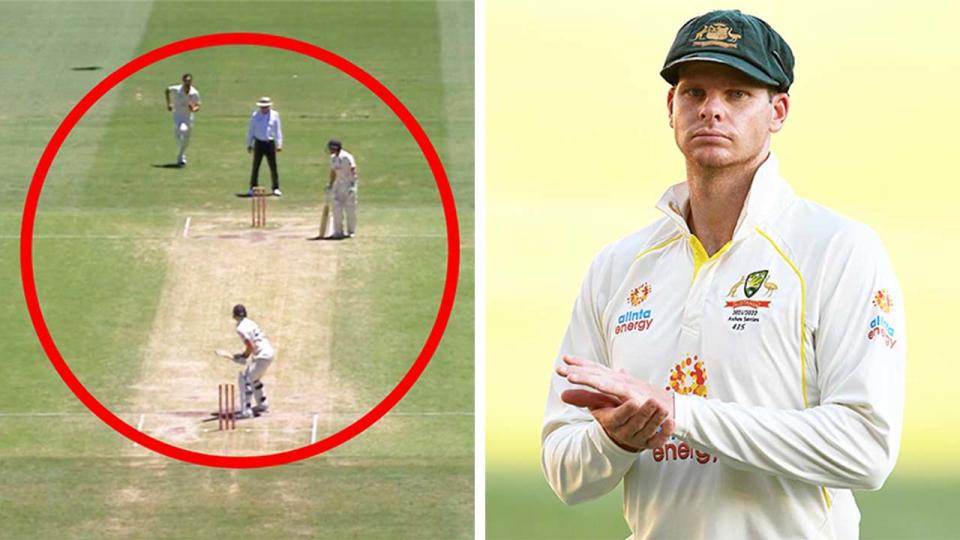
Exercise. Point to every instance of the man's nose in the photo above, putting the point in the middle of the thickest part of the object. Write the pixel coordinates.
(712, 109)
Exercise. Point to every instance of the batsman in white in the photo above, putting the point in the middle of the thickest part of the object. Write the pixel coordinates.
(739, 364)
(258, 347)
(343, 184)
(186, 101)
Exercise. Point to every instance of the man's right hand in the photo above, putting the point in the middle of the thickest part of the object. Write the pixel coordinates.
(249, 149)
(634, 414)
(169, 107)
(632, 425)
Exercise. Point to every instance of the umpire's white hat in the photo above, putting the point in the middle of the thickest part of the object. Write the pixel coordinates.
(264, 102)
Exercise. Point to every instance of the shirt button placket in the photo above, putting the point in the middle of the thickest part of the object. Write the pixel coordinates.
(694, 306)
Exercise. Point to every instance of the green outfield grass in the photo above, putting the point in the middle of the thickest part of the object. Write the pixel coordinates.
(520, 505)
(110, 226)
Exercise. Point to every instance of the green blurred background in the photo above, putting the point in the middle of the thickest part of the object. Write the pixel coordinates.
(579, 150)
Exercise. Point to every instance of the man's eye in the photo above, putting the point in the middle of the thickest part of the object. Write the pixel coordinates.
(739, 94)
(695, 92)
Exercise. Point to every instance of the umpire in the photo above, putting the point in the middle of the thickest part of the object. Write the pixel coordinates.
(265, 138)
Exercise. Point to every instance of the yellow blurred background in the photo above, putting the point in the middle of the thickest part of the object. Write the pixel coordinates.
(579, 150)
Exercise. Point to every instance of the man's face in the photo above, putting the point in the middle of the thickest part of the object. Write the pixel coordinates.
(264, 110)
(721, 117)
(187, 81)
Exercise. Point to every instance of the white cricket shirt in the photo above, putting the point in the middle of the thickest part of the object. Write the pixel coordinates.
(786, 352)
(344, 166)
(249, 331)
(180, 100)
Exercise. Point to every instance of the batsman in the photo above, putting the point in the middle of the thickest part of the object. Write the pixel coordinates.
(257, 347)
(342, 188)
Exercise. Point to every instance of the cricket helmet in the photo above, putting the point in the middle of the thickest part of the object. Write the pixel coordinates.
(239, 311)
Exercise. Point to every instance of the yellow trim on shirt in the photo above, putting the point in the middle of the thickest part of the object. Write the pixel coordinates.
(700, 256)
(803, 332)
(803, 310)
(661, 245)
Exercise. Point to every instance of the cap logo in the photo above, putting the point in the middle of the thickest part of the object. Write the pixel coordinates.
(718, 34)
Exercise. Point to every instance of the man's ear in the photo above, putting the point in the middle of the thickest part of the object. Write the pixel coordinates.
(670, 94)
(781, 108)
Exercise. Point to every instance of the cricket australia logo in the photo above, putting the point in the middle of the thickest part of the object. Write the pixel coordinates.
(716, 34)
(746, 310)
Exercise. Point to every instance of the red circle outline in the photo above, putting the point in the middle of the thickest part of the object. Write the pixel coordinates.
(278, 42)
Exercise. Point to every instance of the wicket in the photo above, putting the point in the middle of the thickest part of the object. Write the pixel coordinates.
(258, 210)
(227, 414)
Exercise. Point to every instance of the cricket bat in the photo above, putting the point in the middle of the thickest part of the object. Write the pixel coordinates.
(325, 220)
(223, 353)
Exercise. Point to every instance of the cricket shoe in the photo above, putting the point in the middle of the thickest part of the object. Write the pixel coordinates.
(278, 193)
(262, 408)
(249, 413)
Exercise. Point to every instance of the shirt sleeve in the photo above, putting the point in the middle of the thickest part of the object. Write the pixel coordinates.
(849, 439)
(245, 331)
(253, 118)
(196, 97)
(279, 132)
(579, 460)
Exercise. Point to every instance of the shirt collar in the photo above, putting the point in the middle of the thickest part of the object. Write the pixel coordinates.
(769, 193)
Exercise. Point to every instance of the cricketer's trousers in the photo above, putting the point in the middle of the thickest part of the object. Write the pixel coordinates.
(249, 381)
(344, 198)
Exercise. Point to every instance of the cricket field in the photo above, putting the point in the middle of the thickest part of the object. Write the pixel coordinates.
(138, 263)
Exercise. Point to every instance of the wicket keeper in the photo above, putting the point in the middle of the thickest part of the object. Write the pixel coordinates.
(738, 364)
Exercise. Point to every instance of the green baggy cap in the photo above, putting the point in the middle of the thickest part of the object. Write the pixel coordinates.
(740, 41)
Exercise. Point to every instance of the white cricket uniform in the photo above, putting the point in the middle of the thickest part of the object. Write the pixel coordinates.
(263, 355)
(344, 191)
(182, 115)
(786, 353)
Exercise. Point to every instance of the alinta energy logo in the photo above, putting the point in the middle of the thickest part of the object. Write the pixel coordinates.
(883, 301)
(688, 378)
(880, 329)
(635, 320)
(639, 294)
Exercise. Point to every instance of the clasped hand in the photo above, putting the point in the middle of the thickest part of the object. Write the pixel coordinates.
(633, 413)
